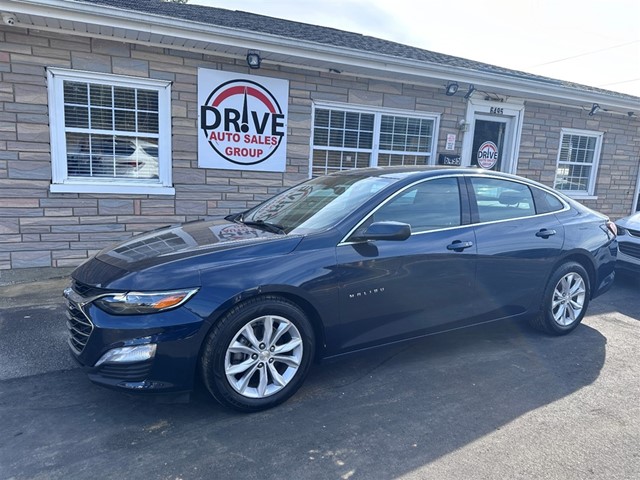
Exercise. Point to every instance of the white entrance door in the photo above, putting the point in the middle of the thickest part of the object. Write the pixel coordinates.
(492, 140)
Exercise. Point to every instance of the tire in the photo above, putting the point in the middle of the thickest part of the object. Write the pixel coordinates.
(258, 354)
(565, 300)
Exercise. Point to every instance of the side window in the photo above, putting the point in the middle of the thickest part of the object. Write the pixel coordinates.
(502, 199)
(546, 202)
(430, 205)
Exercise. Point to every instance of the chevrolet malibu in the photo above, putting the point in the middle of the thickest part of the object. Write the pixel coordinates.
(337, 264)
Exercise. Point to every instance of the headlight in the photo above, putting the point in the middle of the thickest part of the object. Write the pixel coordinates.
(137, 303)
(621, 230)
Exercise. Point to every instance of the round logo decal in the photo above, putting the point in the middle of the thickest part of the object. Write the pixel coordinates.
(242, 122)
(487, 155)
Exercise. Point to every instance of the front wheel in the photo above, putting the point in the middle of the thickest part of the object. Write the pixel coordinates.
(258, 355)
(565, 300)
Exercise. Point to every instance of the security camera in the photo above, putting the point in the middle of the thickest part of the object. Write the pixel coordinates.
(9, 19)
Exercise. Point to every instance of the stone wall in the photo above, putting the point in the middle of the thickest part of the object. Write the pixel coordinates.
(619, 159)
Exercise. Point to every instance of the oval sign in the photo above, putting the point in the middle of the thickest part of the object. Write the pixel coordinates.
(487, 155)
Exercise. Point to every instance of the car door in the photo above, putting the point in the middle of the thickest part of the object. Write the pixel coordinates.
(390, 290)
(517, 246)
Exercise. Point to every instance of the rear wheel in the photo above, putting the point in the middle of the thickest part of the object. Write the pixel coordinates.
(258, 355)
(565, 300)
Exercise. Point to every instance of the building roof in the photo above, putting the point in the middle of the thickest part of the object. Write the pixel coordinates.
(326, 36)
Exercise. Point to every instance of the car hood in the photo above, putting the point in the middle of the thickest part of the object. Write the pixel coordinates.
(632, 221)
(173, 256)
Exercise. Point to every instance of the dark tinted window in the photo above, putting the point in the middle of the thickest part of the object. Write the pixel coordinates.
(430, 205)
(499, 199)
(546, 202)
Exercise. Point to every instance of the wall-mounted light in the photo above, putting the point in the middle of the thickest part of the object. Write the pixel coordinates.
(253, 59)
(595, 108)
(9, 19)
(472, 89)
(452, 88)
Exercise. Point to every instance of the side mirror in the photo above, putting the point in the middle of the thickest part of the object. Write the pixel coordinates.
(395, 231)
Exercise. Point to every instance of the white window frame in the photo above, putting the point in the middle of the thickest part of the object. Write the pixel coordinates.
(589, 193)
(61, 182)
(378, 112)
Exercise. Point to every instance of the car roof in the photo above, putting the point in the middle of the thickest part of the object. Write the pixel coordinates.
(420, 171)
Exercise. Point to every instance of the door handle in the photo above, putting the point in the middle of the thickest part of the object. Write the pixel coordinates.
(458, 245)
(544, 233)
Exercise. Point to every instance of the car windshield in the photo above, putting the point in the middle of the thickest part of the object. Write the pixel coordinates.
(316, 205)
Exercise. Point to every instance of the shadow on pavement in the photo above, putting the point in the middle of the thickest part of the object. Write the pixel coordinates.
(622, 298)
(380, 414)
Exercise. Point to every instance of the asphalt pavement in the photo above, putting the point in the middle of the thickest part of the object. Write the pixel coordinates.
(494, 401)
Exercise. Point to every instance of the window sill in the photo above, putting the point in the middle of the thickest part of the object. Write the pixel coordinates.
(579, 196)
(112, 188)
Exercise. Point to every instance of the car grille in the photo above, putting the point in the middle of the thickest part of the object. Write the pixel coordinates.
(633, 233)
(631, 249)
(79, 325)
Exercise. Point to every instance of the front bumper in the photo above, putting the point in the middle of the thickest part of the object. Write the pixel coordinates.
(628, 253)
(177, 334)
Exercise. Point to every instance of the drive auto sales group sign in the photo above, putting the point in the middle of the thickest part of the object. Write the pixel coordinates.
(242, 121)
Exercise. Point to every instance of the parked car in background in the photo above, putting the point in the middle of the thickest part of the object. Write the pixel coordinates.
(337, 264)
(629, 243)
(111, 156)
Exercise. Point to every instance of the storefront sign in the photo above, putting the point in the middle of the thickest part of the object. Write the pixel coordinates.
(487, 155)
(242, 121)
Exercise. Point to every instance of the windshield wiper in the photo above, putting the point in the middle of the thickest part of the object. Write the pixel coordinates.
(269, 227)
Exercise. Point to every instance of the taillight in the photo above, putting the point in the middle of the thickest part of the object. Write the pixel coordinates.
(612, 227)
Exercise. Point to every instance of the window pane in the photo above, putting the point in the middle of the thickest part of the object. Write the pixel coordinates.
(100, 95)
(101, 118)
(147, 122)
(366, 122)
(76, 117)
(336, 138)
(148, 100)
(366, 140)
(75, 92)
(351, 139)
(124, 98)
(125, 120)
(502, 199)
(321, 136)
(337, 119)
(321, 118)
(352, 121)
(430, 205)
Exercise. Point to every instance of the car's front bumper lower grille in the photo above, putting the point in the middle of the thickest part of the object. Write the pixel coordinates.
(631, 249)
(127, 372)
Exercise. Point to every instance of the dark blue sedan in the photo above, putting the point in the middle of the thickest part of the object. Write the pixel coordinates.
(337, 264)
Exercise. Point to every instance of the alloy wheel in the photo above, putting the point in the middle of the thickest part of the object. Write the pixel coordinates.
(263, 357)
(568, 299)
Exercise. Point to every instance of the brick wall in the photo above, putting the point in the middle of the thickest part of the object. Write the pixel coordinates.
(41, 229)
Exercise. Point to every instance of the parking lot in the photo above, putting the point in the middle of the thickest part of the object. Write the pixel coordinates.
(495, 401)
